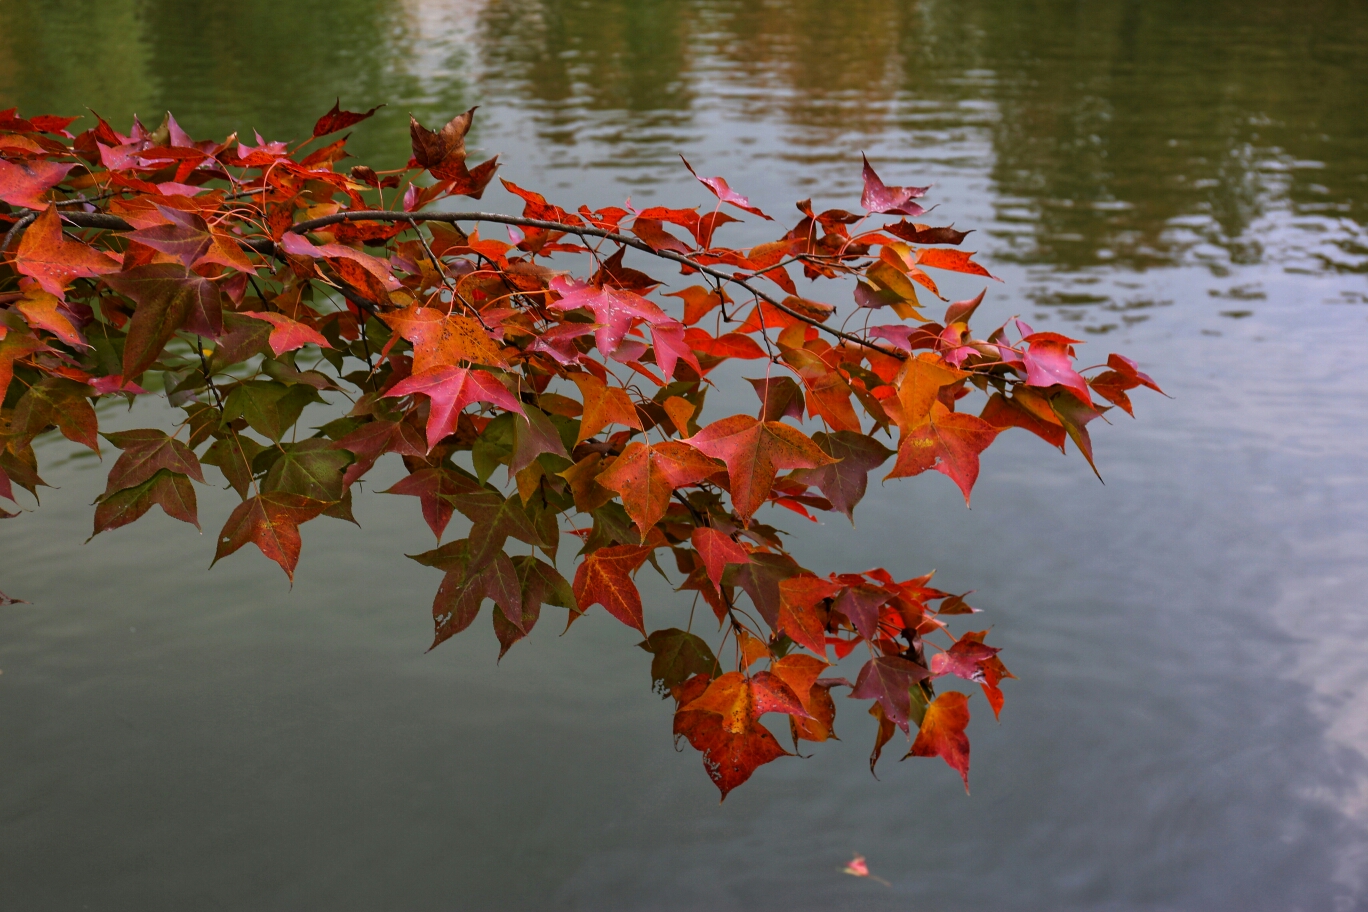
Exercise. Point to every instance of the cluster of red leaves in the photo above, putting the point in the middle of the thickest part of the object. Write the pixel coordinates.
(247, 282)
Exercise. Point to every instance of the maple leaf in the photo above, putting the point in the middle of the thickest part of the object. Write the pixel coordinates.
(169, 490)
(754, 451)
(441, 340)
(882, 736)
(444, 147)
(44, 311)
(1074, 416)
(1049, 361)
(314, 469)
(53, 260)
(771, 693)
(949, 442)
(799, 613)
(844, 481)
(375, 438)
(760, 579)
(534, 433)
(494, 519)
(942, 733)
(603, 405)
(559, 341)
(646, 476)
(668, 342)
(953, 260)
(297, 245)
(1112, 386)
(614, 310)
(677, 656)
(1028, 410)
(857, 867)
(450, 390)
(234, 454)
(584, 487)
(167, 294)
(654, 234)
(889, 200)
(1130, 369)
(56, 401)
(922, 234)
(464, 589)
(780, 397)
(1124, 375)
(286, 334)
(433, 486)
(965, 659)
(146, 452)
(271, 522)
(726, 194)
(338, 119)
(800, 673)
(733, 743)
(861, 603)
(699, 301)
(185, 235)
(717, 550)
(604, 578)
(15, 347)
(889, 680)
(269, 407)
(727, 345)
(535, 206)
(541, 584)
(920, 386)
(24, 183)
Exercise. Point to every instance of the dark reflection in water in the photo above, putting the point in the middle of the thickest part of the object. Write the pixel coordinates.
(1184, 181)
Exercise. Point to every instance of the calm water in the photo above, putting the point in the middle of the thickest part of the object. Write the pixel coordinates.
(1183, 181)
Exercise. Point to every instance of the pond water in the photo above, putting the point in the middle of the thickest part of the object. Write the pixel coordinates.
(1186, 182)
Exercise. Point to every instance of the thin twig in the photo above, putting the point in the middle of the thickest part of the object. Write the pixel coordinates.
(208, 378)
(16, 228)
(446, 280)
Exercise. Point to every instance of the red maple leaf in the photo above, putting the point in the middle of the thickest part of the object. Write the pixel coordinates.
(799, 617)
(338, 119)
(722, 191)
(271, 522)
(723, 727)
(451, 389)
(54, 260)
(614, 309)
(949, 442)
(286, 334)
(24, 183)
(605, 578)
(942, 733)
(717, 550)
(878, 197)
(889, 679)
(754, 451)
(646, 476)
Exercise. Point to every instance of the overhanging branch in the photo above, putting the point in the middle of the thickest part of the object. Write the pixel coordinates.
(266, 247)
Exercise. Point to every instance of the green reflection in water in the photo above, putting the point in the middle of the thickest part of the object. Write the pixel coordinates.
(1109, 124)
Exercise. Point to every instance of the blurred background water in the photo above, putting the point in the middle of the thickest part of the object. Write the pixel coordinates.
(1186, 182)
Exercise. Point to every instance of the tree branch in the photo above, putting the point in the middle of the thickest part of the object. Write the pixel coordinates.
(383, 215)
(266, 247)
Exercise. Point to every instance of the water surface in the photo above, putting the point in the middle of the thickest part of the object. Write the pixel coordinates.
(1183, 181)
